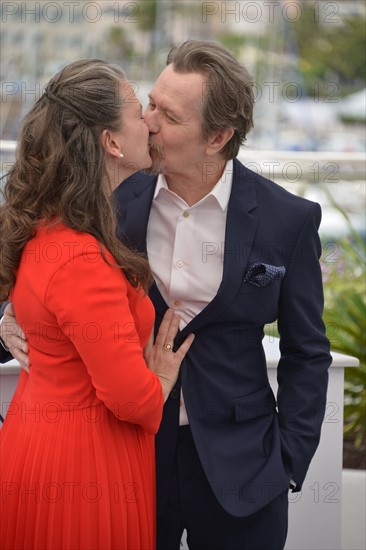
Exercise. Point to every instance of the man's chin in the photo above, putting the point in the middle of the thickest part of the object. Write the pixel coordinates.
(155, 169)
(150, 171)
(157, 156)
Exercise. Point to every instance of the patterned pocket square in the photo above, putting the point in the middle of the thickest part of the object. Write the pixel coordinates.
(263, 274)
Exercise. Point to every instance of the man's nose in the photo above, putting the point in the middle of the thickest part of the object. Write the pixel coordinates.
(151, 119)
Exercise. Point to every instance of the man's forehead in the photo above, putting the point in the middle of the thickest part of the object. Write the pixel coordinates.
(172, 85)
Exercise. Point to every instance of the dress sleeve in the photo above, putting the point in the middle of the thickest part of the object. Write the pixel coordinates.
(90, 302)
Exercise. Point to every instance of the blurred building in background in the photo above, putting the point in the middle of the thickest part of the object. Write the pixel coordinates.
(305, 57)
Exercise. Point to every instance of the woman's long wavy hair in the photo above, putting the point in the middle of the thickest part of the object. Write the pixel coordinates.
(60, 171)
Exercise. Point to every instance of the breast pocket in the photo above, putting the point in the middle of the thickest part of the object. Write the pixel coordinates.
(260, 303)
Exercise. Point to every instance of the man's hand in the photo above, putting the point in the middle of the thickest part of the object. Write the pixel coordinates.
(14, 337)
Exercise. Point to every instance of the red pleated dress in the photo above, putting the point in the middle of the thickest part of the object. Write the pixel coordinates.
(77, 446)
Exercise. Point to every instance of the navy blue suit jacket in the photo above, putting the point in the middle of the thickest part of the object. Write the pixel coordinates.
(250, 444)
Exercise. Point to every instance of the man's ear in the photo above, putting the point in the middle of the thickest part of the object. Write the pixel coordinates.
(109, 144)
(218, 140)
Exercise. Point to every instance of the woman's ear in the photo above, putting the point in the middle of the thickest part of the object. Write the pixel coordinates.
(109, 144)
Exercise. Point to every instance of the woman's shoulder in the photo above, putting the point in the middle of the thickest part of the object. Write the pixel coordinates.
(64, 239)
(58, 231)
(57, 244)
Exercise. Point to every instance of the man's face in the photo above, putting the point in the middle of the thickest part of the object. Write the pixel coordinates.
(174, 121)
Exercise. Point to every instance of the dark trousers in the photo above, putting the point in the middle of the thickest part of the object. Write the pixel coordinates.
(193, 506)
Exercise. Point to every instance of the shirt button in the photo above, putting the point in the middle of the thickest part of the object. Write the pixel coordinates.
(179, 263)
(176, 303)
(185, 214)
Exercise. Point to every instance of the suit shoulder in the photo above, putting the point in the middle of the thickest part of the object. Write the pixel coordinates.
(133, 186)
(269, 192)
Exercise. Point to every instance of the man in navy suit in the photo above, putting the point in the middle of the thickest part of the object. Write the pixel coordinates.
(230, 251)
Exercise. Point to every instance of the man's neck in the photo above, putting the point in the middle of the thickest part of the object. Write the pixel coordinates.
(195, 185)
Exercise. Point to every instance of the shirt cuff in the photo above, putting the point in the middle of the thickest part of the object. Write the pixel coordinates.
(292, 485)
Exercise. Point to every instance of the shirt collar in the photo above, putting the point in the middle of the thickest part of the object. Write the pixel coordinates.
(221, 191)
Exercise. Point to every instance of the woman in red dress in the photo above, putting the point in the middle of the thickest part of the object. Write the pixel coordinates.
(77, 446)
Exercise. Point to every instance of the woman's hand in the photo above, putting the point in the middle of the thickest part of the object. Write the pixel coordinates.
(160, 357)
(14, 338)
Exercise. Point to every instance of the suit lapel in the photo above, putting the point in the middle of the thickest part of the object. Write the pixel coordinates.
(241, 226)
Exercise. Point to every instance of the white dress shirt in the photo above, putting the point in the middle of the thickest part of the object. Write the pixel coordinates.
(185, 246)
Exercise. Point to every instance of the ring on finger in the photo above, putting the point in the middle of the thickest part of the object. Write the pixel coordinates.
(168, 346)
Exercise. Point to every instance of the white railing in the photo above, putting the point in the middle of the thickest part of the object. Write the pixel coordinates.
(305, 173)
(318, 166)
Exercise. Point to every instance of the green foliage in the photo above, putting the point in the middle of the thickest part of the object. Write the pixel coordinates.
(146, 16)
(345, 319)
(331, 52)
(234, 42)
(118, 45)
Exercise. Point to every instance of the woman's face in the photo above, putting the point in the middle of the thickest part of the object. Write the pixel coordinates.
(133, 137)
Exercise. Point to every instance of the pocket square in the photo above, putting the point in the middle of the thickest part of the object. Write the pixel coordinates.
(263, 274)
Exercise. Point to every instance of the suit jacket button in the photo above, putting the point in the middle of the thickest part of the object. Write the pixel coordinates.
(174, 394)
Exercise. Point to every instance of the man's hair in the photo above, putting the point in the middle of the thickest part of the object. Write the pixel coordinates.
(228, 98)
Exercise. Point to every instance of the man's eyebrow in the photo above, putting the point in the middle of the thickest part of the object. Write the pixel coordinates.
(164, 107)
